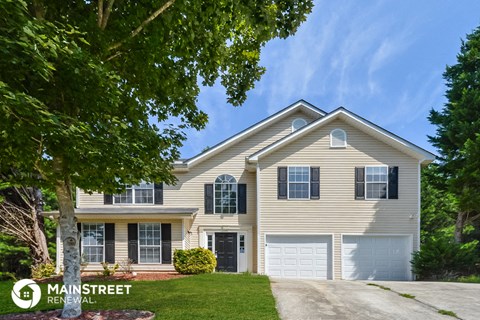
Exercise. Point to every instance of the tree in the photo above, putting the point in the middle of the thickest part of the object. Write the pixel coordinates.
(458, 132)
(439, 206)
(81, 82)
(21, 217)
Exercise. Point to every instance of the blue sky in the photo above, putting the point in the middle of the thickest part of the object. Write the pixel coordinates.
(380, 59)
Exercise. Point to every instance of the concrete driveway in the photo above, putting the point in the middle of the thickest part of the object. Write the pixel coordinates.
(318, 300)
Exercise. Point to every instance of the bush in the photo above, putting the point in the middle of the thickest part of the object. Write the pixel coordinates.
(43, 270)
(109, 271)
(442, 258)
(194, 261)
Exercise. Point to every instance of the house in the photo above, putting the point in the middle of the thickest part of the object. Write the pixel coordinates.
(303, 193)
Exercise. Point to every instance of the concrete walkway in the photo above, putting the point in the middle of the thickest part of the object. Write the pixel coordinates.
(316, 300)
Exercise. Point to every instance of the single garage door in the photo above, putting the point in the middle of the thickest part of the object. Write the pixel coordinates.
(376, 257)
(299, 256)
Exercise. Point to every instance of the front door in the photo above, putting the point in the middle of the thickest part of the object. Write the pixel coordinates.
(226, 251)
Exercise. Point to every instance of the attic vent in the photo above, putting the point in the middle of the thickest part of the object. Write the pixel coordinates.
(298, 123)
(338, 138)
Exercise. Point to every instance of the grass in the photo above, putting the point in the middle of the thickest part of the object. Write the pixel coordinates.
(448, 313)
(406, 295)
(380, 286)
(210, 296)
(468, 279)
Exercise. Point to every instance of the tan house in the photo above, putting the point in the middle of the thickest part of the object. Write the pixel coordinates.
(303, 193)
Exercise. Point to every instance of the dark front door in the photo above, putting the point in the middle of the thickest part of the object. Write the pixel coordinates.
(226, 251)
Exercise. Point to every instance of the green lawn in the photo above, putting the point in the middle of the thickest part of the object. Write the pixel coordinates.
(211, 296)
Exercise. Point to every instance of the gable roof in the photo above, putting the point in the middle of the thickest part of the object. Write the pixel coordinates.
(356, 121)
(299, 105)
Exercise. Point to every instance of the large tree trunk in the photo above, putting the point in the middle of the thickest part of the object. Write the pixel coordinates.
(459, 224)
(70, 239)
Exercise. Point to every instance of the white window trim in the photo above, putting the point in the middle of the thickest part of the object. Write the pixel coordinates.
(288, 183)
(236, 195)
(81, 240)
(372, 166)
(294, 120)
(133, 197)
(344, 141)
(154, 246)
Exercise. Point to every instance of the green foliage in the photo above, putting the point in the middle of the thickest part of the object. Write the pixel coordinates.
(458, 126)
(109, 270)
(407, 295)
(439, 206)
(194, 261)
(441, 257)
(469, 279)
(43, 270)
(14, 257)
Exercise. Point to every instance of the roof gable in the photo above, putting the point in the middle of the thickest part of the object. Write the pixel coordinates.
(356, 121)
(299, 105)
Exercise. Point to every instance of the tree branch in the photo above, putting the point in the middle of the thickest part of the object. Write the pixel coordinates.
(107, 14)
(100, 13)
(135, 32)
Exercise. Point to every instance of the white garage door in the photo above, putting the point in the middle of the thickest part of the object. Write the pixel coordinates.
(376, 257)
(299, 256)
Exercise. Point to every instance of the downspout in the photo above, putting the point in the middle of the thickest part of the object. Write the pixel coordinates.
(259, 270)
(419, 209)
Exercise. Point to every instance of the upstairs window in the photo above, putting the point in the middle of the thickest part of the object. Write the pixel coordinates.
(298, 123)
(338, 138)
(138, 194)
(376, 182)
(225, 194)
(298, 182)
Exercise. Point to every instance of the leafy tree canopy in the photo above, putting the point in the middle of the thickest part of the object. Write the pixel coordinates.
(80, 81)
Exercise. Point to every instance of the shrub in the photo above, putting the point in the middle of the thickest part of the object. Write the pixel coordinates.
(126, 266)
(109, 271)
(194, 261)
(442, 257)
(43, 270)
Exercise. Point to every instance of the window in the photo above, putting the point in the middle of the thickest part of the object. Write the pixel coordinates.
(338, 138)
(376, 182)
(225, 194)
(210, 242)
(298, 182)
(242, 243)
(92, 241)
(298, 123)
(139, 194)
(149, 240)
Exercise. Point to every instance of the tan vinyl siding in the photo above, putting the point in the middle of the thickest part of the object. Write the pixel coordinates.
(337, 212)
(121, 241)
(189, 190)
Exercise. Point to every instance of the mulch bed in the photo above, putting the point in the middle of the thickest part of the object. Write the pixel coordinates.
(101, 314)
(144, 276)
(86, 315)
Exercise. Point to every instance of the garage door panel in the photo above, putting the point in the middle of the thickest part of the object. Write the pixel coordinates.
(375, 257)
(299, 256)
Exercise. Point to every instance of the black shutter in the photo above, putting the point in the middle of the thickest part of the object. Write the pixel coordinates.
(208, 198)
(242, 198)
(158, 187)
(110, 242)
(315, 183)
(282, 176)
(107, 199)
(359, 183)
(79, 228)
(393, 183)
(166, 243)
(133, 242)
